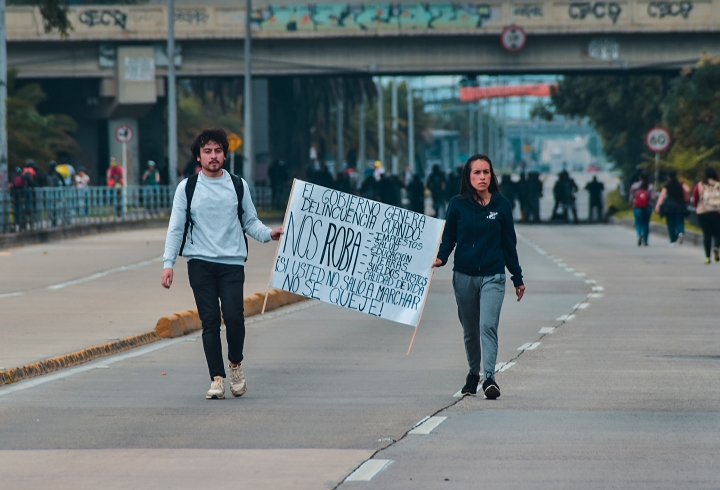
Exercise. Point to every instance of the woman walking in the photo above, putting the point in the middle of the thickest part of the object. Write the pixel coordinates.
(641, 198)
(706, 199)
(479, 222)
(672, 204)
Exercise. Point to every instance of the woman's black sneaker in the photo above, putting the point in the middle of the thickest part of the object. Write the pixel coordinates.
(491, 389)
(471, 385)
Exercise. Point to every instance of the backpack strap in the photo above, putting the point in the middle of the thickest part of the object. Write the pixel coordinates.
(189, 191)
(240, 191)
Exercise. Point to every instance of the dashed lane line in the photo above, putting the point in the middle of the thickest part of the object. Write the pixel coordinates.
(369, 469)
(427, 425)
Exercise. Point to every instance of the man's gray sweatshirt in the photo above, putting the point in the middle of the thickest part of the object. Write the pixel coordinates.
(216, 234)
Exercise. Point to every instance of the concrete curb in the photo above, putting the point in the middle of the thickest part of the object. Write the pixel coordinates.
(169, 326)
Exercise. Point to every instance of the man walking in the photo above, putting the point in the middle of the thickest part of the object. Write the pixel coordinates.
(212, 210)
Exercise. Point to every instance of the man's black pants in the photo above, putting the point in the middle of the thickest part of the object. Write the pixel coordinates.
(211, 281)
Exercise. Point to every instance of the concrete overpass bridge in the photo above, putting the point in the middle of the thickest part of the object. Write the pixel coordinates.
(343, 38)
(112, 66)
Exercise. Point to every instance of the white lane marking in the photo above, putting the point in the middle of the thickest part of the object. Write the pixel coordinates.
(427, 427)
(525, 346)
(421, 421)
(569, 269)
(10, 295)
(598, 288)
(562, 264)
(458, 394)
(98, 275)
(103, 367)
(596, 295)
(564, 318)
(139, 351)
(557, 260)
(368, 469)
(580, 274)
(534, 346)
(505, 367)
(105, 361)
(547, 330)
(581, 306)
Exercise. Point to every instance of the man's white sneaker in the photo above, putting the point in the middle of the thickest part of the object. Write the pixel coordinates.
(238, 384)
(217, 389)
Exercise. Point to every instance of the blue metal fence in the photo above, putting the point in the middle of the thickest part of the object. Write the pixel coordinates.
(30, 209)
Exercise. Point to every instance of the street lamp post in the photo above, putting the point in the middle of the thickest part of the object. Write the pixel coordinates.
(248, 163)
(3, 103)
(171, 97)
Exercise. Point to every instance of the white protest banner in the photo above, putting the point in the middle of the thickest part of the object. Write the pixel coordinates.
(356, 253)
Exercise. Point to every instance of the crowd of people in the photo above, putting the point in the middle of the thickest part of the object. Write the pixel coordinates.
(674, 202)
(25, 180)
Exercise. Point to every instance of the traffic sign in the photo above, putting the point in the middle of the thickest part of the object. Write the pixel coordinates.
(124, 134)
(234, 142)
(657, 139)
(513, 38)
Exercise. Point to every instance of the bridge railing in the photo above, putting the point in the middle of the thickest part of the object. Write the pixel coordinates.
(23, 210)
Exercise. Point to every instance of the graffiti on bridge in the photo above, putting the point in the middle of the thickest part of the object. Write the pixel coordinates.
(582, 10)
(103, 17)
(671, 9)
(364, 17)
(529, 11)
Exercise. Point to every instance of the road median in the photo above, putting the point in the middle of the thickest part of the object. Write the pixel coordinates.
(169, 326)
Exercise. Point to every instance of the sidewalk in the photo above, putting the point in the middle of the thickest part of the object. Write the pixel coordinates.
(47, 292)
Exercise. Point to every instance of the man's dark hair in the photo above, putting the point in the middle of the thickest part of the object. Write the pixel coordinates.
(216, 135)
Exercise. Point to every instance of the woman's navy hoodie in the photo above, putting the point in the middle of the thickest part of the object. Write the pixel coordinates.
(485, 238)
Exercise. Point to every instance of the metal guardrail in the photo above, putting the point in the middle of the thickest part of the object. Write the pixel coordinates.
(23, 210)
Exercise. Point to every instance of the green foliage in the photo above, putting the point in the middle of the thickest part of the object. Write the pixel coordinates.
(692, 108)
(621, 108)
(30, 134)
(616, 203)
(690, 163)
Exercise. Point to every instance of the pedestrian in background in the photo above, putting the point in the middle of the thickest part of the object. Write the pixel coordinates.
(672, 204)
(642, 197)
(416, 194)
(534, 193)
(706, 199)
(151, 176)
(595, 190)
(211, 213)
(436, 184)
(480, 228)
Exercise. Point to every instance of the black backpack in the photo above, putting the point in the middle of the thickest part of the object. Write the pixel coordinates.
(190, 190)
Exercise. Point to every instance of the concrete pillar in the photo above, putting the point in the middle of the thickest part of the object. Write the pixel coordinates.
(260, 128)
(471, 130)
(411, 126)
(381, 128)
(361, 151)
(133, 148)
(339, 134)
(394, 108)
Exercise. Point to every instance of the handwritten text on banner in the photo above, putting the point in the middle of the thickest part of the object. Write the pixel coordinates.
(356, 253)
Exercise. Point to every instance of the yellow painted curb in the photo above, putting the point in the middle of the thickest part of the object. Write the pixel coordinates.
(49, 365)
(183, 323)
(169, 326)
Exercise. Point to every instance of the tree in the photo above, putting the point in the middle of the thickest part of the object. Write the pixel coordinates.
(30, 134)
(692, 108)
(691, 113)
(622, 108)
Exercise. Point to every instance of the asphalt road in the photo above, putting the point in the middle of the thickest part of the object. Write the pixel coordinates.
(615, 385)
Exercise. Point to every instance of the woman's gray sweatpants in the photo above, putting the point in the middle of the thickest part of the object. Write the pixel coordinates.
(479, 301)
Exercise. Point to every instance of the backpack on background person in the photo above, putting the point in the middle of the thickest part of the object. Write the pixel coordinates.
(711, 196)
(641, 199)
